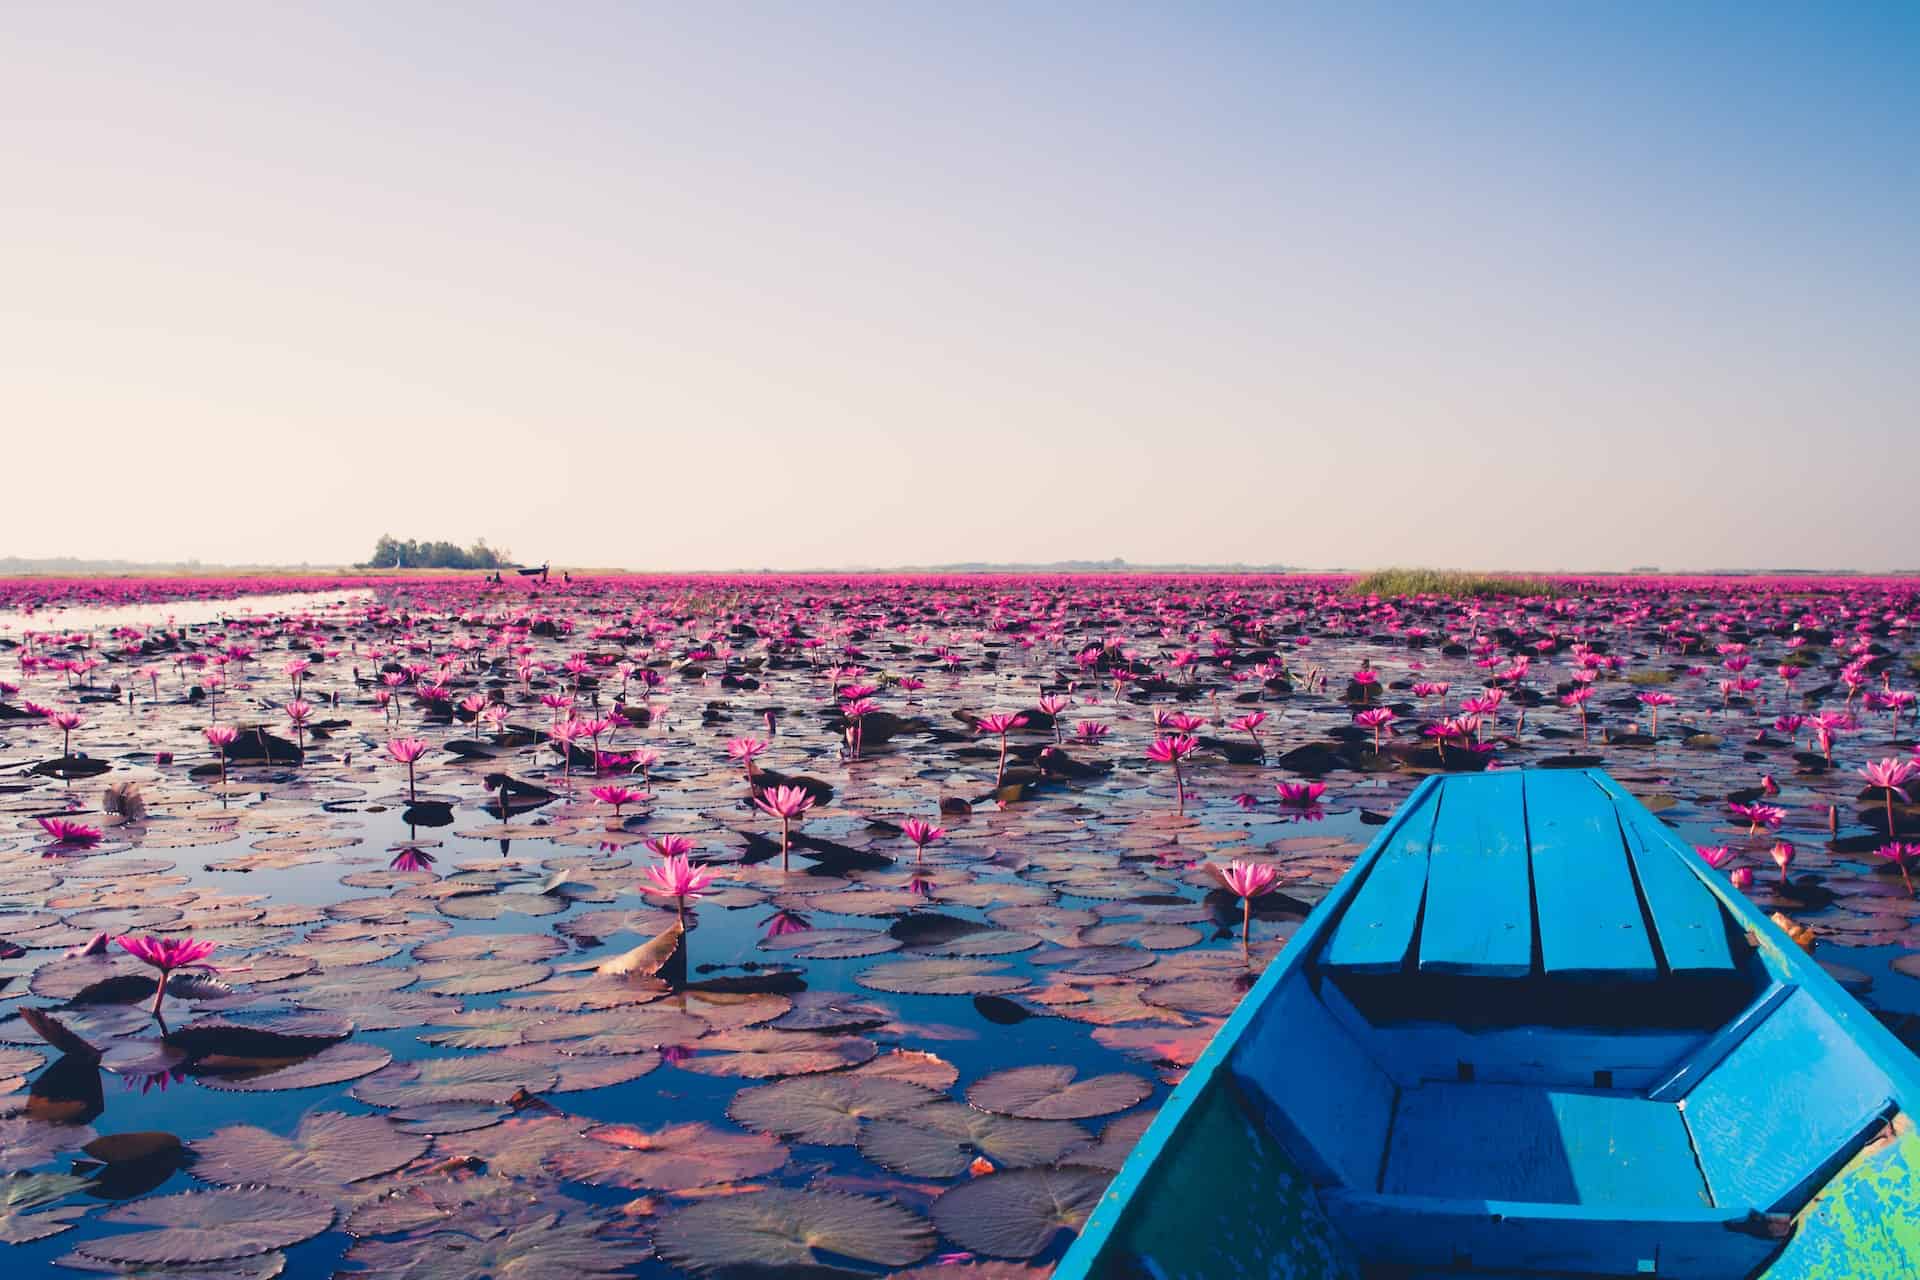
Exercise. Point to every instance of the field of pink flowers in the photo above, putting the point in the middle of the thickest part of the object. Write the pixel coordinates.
(829, 925)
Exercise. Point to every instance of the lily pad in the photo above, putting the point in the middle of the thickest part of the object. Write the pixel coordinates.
(328, 1150)
(676, 1158)
(548, 1248)
(781, 1227)
(30, 1208)
(941, 1140)
(1016, 1214)
(1048, 1091)
(825, 1109)
(210, 1226)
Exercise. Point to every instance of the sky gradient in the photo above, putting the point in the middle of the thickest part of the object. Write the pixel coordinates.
(712, 286)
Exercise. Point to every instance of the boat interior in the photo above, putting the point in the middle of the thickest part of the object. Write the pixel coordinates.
(1535, 1032)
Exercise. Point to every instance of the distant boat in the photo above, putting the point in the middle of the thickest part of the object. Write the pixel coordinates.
(1531, 1033)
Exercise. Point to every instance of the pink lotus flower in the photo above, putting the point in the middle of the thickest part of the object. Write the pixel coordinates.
(677, 878)
(1002, 723)
(1172, 750)
(166, 955)
(1300, 795)
(1770, 816)
(1249, 724)
(69, 834)
(744, 751)
(618, 796)
(1246, 881)
(412, 858)
(1091, 731)
(669, 846)
(922, 833)
(1715, 856)
(1891, 775)
(408, 751)
(786, 804)
(1742, 878)
(1653, 702)
(66, 722)
(1782, 853)
(1900, 853)
(1378, 719)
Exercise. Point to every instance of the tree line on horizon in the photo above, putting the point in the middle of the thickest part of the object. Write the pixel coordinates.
(395, 553)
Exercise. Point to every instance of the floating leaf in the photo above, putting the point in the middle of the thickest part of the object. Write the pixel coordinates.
(210, 1226)
(914, 1066)
(1048, 1091)
(489, 1078)
(25, 1200)
(941, 1140)
(333, 1065)
(546, 1249)
(825, 1109)
(327, 1150)
(675, 1158)
(786, 1228)
(942, 977)
(1016, 1214)
(761, 1054)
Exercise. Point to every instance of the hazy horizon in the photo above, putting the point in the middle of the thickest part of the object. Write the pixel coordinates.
(1469, 285)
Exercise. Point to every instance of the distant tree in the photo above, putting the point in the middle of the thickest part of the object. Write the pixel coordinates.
(394, 553)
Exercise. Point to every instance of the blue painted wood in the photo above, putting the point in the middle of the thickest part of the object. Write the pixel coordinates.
(1553, 1146)
(1685, 1073)
(1793, 1101)
(1591, 925)
(1413, 1053)
(1320, 1094)
(1507, 1237)
(1102, 1249)
(1376, 933)
(1455, 1236)
(1479, 913)
(1686, 916)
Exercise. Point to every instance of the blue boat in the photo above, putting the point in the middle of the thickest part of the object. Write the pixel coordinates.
(1531, 1033)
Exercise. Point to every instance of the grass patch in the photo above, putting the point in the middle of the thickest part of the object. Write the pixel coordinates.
(1451, 582)
(1650, 676)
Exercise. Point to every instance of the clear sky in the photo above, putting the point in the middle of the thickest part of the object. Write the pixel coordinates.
(705, 285)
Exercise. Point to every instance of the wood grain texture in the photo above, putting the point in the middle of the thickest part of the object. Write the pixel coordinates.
(1376, 934)
(1590, 921)
(1791, 1102)
(1479, 912)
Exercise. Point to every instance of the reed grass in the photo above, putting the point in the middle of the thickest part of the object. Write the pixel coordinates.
(1452, 583)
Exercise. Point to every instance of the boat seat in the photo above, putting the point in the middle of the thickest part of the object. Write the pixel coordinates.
(1786, 1108)
(1507, 875)
(1539, 1145)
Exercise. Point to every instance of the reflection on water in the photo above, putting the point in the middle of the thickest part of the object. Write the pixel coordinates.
(180, 613)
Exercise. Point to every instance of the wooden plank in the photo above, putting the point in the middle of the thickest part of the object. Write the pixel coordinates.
(1413, 1053)
(1468, 1236)
(1376, 933)
(1686, 916)
(1479, 912)
(1317, 1090)
(1793, 1101)
(1684, 1075)
(1551, 1146)
(1591, 925)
